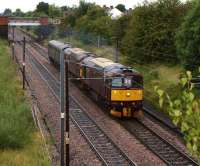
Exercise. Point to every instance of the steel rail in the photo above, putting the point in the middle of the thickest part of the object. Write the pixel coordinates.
(166, 151)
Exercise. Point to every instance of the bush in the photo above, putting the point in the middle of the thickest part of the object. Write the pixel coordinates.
(150, 34)
(184, 112)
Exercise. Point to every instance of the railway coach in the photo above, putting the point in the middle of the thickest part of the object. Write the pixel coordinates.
(116, 85)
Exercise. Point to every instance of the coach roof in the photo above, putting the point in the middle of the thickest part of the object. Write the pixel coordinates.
(58, 44)
(79, 54)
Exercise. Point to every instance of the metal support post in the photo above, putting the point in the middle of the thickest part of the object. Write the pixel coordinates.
(13, 50)
(67, 112)
(98, 41)
(23, 63)
(117, 51)
(62, 108)
(13, 34)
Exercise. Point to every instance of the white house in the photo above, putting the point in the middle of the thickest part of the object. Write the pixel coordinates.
(115, 13)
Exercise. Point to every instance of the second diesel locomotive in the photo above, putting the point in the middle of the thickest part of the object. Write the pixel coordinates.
(118, 86)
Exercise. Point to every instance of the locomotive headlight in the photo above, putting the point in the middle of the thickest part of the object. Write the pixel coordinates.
(128, 94)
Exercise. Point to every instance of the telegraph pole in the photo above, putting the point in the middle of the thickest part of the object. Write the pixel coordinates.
(23, 63)
(62, 108)
(13, 34)
(13, 50)
(67, 111)
(117, 51)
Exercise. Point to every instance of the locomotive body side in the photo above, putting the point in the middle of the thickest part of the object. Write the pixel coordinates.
(75, 56)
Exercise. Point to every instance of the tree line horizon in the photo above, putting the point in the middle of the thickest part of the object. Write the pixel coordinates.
(163, 31)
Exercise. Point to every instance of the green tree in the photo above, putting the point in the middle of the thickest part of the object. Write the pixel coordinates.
(18, 13)
(188, 39)
(118, 28)
(28, 14)
(43, 7)
(83, 8)
(7, 12)
(121, 7)
(54, 11)
(95, 21)
(150, 35)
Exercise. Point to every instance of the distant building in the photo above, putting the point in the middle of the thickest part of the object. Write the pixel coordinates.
(128, 12)
(115, 13)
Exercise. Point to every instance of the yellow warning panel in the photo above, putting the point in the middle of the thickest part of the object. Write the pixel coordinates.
(127, 95)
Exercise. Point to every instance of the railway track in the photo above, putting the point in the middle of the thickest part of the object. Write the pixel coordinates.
(41, 50)
(158, 145)
(105, 148)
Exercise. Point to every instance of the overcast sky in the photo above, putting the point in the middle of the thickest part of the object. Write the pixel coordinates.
(26, 5)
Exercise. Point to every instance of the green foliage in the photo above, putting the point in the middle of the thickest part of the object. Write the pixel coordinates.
(95, 21)
(42, 7)
(43, 32)
(54, 11)
(15, 118)
(83, 8)
(69, 21)
(33, 154)
(188, 39)
(121, 7)
(185, 112)
(18, 13)
(119, 27)
(150, 34)
(7, 12)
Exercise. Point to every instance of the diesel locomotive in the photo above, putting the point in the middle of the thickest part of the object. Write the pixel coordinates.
(118, 86)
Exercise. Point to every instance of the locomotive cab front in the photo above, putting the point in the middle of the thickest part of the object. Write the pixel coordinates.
(126, 96)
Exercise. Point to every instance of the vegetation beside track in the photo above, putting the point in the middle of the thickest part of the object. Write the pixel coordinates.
(185, 112)
(20, 142)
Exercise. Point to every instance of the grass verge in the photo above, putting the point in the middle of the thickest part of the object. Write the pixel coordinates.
(20, 143)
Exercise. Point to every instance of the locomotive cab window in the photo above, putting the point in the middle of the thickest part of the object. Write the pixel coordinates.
(117, 82)
(128, 82)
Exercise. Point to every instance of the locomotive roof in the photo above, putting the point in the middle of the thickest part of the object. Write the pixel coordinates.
(102, 62)
(77, 50)
(87, 61)
(80, 54)
(58, 44)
